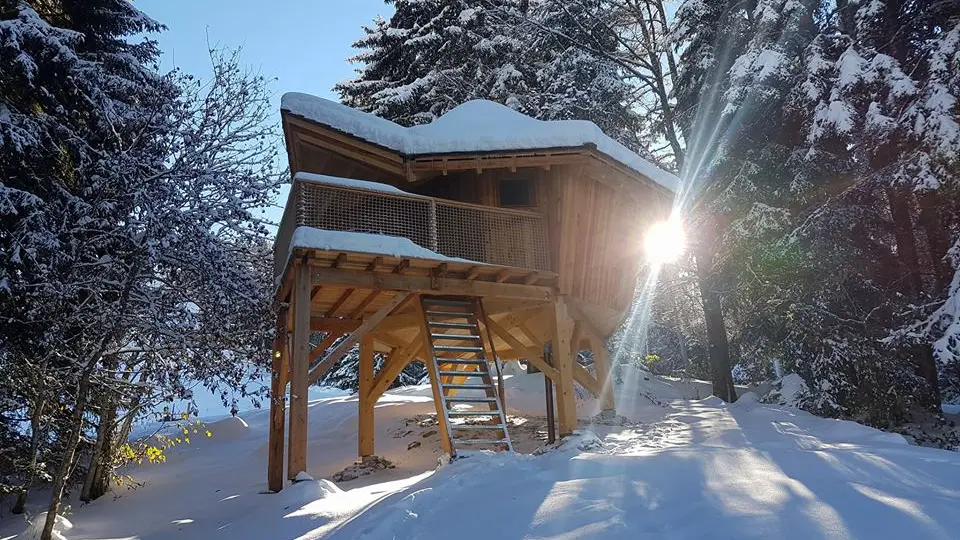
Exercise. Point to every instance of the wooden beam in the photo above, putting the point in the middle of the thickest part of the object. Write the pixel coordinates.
(365, 422)
(586, 380)
(426, 284)
(585, 323)
(532, 354)
(277, 406)
(503, 275)
(358, 311)
(601, 359)
(324, 345)
(372, 267)
(300, 373)
(355, 336)
(334, 325)
(473, 272)
(394, 365)
(339, 302)
(563, 361)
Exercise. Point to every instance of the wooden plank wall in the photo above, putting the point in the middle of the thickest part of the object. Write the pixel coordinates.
(598, 239)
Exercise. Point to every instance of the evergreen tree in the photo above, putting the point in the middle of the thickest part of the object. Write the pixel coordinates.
(433, 55)
(127, 207)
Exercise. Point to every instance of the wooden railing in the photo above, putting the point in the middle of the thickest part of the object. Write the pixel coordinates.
(484, 234)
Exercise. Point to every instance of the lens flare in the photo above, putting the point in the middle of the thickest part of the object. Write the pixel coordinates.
(665, 242)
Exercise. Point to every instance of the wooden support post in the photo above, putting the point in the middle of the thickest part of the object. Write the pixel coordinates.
(365, 447)
(601, 359)
(300, 373)
(563, 358)
(278, 382)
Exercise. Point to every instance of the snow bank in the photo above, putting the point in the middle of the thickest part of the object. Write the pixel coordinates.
(375, 244)
(693, 469)
(474, 126)
(230, 429)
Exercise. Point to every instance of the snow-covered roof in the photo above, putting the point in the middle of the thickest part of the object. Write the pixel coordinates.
(374, 244)
(474, 126)
(352, 183)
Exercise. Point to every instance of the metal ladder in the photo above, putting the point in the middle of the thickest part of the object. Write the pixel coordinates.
(459, 366)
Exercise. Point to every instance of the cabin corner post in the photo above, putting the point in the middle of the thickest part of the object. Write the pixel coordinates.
(563, 357)
(300, 372)
(278, 383)
(366, 402)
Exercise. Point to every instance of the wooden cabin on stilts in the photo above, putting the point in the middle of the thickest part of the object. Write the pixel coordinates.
(479, 238)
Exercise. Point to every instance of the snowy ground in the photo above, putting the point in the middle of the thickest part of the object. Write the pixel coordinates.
(690, 469)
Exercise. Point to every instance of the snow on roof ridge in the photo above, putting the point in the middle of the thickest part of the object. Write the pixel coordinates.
(474, 126)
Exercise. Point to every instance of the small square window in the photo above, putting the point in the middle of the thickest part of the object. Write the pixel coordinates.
(517, 192)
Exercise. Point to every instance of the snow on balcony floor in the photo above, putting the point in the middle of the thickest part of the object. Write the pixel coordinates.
(474, 126)
(374, 244)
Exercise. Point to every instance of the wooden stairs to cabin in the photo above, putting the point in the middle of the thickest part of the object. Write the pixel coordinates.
(470, 404)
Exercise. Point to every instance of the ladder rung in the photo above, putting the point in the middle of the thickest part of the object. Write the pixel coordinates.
(455, 412)
(479, 441)
(463, 374)
(459, 386)
(455, 337)
(450, 314)
(461, 399)
(456, 348)
(477, 426)
(474, 361)
(457, 325)
(446, 302)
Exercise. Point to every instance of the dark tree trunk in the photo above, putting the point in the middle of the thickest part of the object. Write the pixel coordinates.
(718, 348)
(62, 473)
(35, 421)
(96, 482)
(899, 199)
(938, 241)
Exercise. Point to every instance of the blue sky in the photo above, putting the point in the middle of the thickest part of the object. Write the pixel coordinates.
(303, 44)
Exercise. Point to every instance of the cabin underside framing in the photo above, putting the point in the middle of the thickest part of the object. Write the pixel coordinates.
(373, 301)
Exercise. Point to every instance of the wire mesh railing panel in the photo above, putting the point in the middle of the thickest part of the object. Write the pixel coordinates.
(492, 235)
(477, 233)
(337, 209)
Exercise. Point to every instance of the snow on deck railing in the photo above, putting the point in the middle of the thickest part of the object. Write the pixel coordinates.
(490, 235)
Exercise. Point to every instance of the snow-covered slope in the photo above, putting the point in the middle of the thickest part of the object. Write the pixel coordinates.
(691, 469)
(474, 126)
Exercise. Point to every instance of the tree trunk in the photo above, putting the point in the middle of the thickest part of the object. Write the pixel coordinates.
(900, 212)
(938, 241)
(66, 462)
(94, 485)
(718, 348)
(35, 418)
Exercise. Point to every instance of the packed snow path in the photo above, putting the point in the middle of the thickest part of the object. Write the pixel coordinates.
(695, 469)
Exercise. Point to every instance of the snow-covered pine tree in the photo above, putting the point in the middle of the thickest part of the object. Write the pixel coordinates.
(128, 206)
(882, 142)
(739, 63)
(433, 55)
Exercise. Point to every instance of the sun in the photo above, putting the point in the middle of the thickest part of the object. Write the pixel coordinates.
(665, 242)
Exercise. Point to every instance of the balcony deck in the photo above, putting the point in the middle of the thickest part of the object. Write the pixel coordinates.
(371, 221)
(360, 237)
